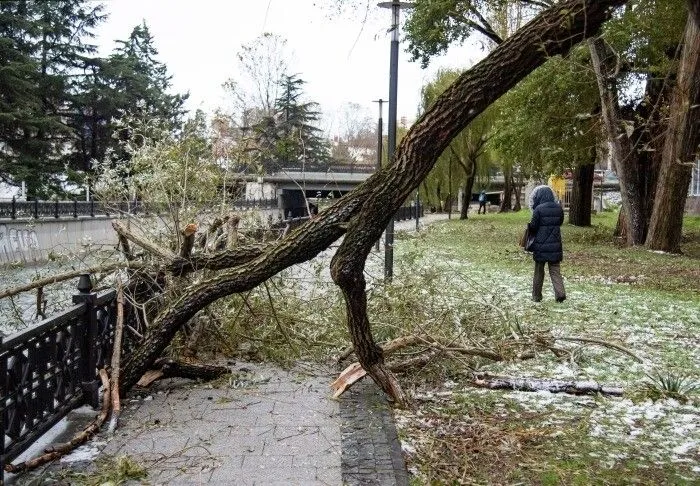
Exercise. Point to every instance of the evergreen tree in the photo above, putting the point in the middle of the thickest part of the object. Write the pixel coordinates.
(43, 53)
(19, 96)
(131, 83)
(299, 141)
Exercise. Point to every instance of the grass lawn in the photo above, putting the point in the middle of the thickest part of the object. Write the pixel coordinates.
(474, 275)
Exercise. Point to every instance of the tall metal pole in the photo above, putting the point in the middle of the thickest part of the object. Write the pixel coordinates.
(417, 210)
(396, 7)
(380, 136)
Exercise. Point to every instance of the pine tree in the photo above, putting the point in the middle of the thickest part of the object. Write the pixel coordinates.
(299, 140)
(43, 53)
(131, 83)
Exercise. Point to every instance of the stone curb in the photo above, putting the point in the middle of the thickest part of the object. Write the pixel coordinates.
(370, 447)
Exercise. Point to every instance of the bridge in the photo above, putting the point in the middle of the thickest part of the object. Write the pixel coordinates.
(292, 188)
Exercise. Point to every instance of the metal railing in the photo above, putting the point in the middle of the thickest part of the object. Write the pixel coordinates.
(36, 209)
(52, 368)
(409, 212)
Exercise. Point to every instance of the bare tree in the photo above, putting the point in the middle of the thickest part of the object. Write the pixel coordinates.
(261, 66)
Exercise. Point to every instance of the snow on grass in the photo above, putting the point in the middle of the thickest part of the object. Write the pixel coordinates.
(661, 327)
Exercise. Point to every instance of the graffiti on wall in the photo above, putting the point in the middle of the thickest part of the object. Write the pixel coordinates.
(17, 243)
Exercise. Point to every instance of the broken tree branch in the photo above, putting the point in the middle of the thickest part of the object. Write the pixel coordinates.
(170, 368)
(232, 235)
(142, 242)
(493, 382)
(116, 360)
(188, 240)
(62, 277)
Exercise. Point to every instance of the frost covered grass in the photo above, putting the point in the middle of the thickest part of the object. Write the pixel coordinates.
(468, 281)
(647, 302)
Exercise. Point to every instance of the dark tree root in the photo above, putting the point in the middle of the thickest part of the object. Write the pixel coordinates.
(170, 368)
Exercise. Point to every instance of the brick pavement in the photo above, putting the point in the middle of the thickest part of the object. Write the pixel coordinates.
(261, 426)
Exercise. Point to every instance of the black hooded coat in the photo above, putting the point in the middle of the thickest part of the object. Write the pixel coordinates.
(547, 218)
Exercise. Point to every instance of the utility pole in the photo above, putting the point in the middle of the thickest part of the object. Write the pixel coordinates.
(396, 7)
(380, 136)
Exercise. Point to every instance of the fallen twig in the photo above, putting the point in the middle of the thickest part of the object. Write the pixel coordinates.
(395, 345)
(116, 360)
(602, 343)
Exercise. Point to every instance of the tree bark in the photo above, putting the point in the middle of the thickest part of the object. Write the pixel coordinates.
(363, 214)
(623, 154)
(517, 189)
(581, 195)
(507, 202)
(680, 145)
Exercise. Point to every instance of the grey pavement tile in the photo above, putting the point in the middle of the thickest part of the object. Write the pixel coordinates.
(270, 427)
(267, 463)
(296, 477)
(305, 441)
(330, 460)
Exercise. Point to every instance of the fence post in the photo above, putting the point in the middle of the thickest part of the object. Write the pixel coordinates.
(92, 208)
(55, 209)
(14, 208)
(36, 209)
(75, 208)
(88, 352)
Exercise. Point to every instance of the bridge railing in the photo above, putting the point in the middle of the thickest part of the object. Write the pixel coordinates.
(36, 209)
(52, 368)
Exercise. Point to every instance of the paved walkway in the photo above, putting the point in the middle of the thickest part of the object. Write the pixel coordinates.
(259, 426)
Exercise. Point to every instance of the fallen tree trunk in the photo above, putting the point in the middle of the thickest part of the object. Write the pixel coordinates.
(493, 382)
(363, 214)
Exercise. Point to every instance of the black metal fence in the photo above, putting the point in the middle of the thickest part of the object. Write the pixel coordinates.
(409, 212)
(73, 209)
(51, 369)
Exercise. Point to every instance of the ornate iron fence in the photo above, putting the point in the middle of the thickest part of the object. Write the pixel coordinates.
(51, 369)
(73, 209)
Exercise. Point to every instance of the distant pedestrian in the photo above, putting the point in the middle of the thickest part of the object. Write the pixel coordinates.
(545, 226)
(482, 201)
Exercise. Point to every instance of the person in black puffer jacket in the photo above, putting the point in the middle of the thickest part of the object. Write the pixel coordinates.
(547, 218)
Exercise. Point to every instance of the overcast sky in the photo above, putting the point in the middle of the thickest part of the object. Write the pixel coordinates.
(341, 60)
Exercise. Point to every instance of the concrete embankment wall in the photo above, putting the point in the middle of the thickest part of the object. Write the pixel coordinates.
(34, 241)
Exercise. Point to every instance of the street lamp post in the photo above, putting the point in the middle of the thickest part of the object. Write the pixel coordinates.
(380, 135)
(396, 6)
